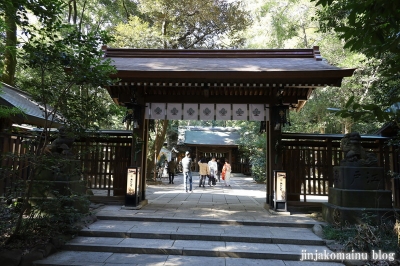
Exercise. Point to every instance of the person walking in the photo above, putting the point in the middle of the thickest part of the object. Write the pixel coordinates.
(203, 171)
(213, 168)
(226, 173)
(165, 169)
(187, 172)
(219, 167)
(171, 171)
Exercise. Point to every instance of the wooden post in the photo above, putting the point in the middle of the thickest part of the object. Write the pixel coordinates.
(268, 184)
(145, 143)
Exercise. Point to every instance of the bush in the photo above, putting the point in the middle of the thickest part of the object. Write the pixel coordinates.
(258, 168)
(366, 238)
(44, 219)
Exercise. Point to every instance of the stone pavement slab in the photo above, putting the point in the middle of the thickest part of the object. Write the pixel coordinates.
(243, 201)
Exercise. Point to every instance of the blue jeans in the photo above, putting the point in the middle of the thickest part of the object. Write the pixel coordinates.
(185, 180)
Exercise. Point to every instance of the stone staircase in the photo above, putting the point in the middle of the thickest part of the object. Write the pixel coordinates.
(184, 241)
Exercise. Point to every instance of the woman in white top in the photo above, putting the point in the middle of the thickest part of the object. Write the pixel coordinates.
(213, 168)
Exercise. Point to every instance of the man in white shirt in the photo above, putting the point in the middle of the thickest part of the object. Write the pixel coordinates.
(213, 167)
(187, 173)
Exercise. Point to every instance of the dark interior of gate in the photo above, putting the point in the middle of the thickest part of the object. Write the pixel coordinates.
(217, 85)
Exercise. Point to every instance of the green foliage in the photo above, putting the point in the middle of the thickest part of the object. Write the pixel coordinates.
(46, 219)
(7, 112)
(19, 13)
(258, 163)
(91, 15)
(370, 27)
(45, 11)
(369, 112)
(185, 25)
(37, 209)
(137, 33)
(252, 145)
(63, 70)
(2, 43)
(338, 234)
(315, 117)
(282, 24)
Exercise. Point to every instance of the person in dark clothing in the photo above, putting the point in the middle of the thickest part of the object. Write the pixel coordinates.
(219, 167)
(171, 171)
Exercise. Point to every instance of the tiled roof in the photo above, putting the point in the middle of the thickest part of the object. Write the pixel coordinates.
(12, 97)
(232, 76)
(255, 61)
(221, 64)
(208, 136)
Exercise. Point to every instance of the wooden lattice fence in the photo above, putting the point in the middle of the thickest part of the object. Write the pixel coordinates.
(309, 160)
(104, 160)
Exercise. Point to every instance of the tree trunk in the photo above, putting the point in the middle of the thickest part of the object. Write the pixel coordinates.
(10, 58)
(161, 130)
(347, 126)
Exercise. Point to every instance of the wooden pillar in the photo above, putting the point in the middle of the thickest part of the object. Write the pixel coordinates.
(394, 166)
(329, 162)
(138, 150)
(268, 162)
(144, 157)
(274, 154)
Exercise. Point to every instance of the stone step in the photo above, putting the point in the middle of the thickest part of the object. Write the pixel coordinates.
(84, 258)
(185, 241)
(121, 217)
(126, 242)
(202, 232)
(192, 248)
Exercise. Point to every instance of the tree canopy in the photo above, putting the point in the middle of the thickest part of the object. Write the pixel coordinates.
(184, 25)
(14, 14)
(370, 27)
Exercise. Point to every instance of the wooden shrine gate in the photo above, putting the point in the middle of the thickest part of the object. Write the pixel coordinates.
(200, 82)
